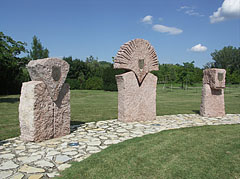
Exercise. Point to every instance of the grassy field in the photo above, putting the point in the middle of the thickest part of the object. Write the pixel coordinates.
(200, 152)
(98, 105)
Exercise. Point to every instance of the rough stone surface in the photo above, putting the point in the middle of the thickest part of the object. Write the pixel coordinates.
(136, 103)
(62, 112)
(36, 112)
(212, 104)
(138, 56)
(29, 169)
(137, 88)
(52, 71)
(44, 109)
(88, 136)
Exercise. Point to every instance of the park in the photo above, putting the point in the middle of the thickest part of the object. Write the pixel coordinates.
(120, 94)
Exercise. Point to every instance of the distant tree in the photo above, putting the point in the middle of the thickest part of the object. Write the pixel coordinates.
(227, 58)
(38, 51)
(12, 67)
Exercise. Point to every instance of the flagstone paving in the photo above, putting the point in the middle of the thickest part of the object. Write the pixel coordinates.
(46, 159)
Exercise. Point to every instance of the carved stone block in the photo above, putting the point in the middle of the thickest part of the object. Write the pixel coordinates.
(44, 109)
(137, 88)
(212, 104)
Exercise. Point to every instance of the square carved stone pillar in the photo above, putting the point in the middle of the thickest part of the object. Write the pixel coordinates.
(213, 93)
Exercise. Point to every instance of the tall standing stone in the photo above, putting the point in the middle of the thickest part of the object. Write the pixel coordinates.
(213, 93)
(137, 88)
(44, 109)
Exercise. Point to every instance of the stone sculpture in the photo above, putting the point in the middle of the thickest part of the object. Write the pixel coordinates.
(136, 88)
(213, 93)
(44, 109)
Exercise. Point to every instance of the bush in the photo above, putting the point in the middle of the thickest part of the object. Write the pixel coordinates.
(74, 83)
(94, 83)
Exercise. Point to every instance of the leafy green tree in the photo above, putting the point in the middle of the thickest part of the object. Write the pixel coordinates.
(12, 67)
(38, 51)
(227, 58)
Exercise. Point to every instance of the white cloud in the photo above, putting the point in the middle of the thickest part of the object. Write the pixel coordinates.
(198, 48)
(147, 19)
(190, 11)
(230, 9)
(165, 29)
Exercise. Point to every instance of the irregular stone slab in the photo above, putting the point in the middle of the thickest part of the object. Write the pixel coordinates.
(136, 103)
(212, 104)
(36, 112)
(63, 166)
(62, 159)
(137, 55)
(8, 165)
(7, 156)
(44, 163)
(36, 176)
(5, 174)
(18, 176)
(52, 71)
(27, 160)
(29, 169)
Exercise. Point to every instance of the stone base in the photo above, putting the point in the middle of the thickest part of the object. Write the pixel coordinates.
(136, 103)
(212, 102)
(40, 118)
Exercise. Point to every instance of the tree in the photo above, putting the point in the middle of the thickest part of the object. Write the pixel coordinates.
(227, 58)
(12, 67)
(38, 51)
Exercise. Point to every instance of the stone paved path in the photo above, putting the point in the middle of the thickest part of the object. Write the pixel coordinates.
(42, 160)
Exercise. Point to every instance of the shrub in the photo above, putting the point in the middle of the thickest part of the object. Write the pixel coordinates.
(94, 83)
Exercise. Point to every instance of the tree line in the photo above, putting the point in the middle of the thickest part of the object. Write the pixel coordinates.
(100, 75)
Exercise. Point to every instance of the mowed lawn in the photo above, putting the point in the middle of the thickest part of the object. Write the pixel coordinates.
(95, 105)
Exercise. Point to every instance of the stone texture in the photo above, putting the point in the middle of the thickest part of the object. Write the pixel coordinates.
(44, 109)
(36, 112)
(36, 176)
(212, 104)
(8, 165)
(138, 56)
(5, 174)
(137, 88)
(29, 169)
(62, 159)
(62, 112)
(136, 103)
(52, 71)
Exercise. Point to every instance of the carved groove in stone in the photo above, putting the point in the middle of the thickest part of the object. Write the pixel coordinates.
(134, 52)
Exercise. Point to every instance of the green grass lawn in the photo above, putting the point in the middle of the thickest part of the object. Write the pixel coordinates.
(90, 105)
(200, 152)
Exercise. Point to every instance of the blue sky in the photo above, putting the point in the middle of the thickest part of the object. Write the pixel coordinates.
(180, 30)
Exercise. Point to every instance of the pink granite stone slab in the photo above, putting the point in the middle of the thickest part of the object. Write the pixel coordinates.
(136, 103)
(35, 112)
(52, 71)
(212, 104)
(62, 112)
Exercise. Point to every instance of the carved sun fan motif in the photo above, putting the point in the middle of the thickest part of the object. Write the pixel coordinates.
(137, 55)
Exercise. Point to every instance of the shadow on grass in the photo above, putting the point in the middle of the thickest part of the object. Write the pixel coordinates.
(196, 111)
(9, 100)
